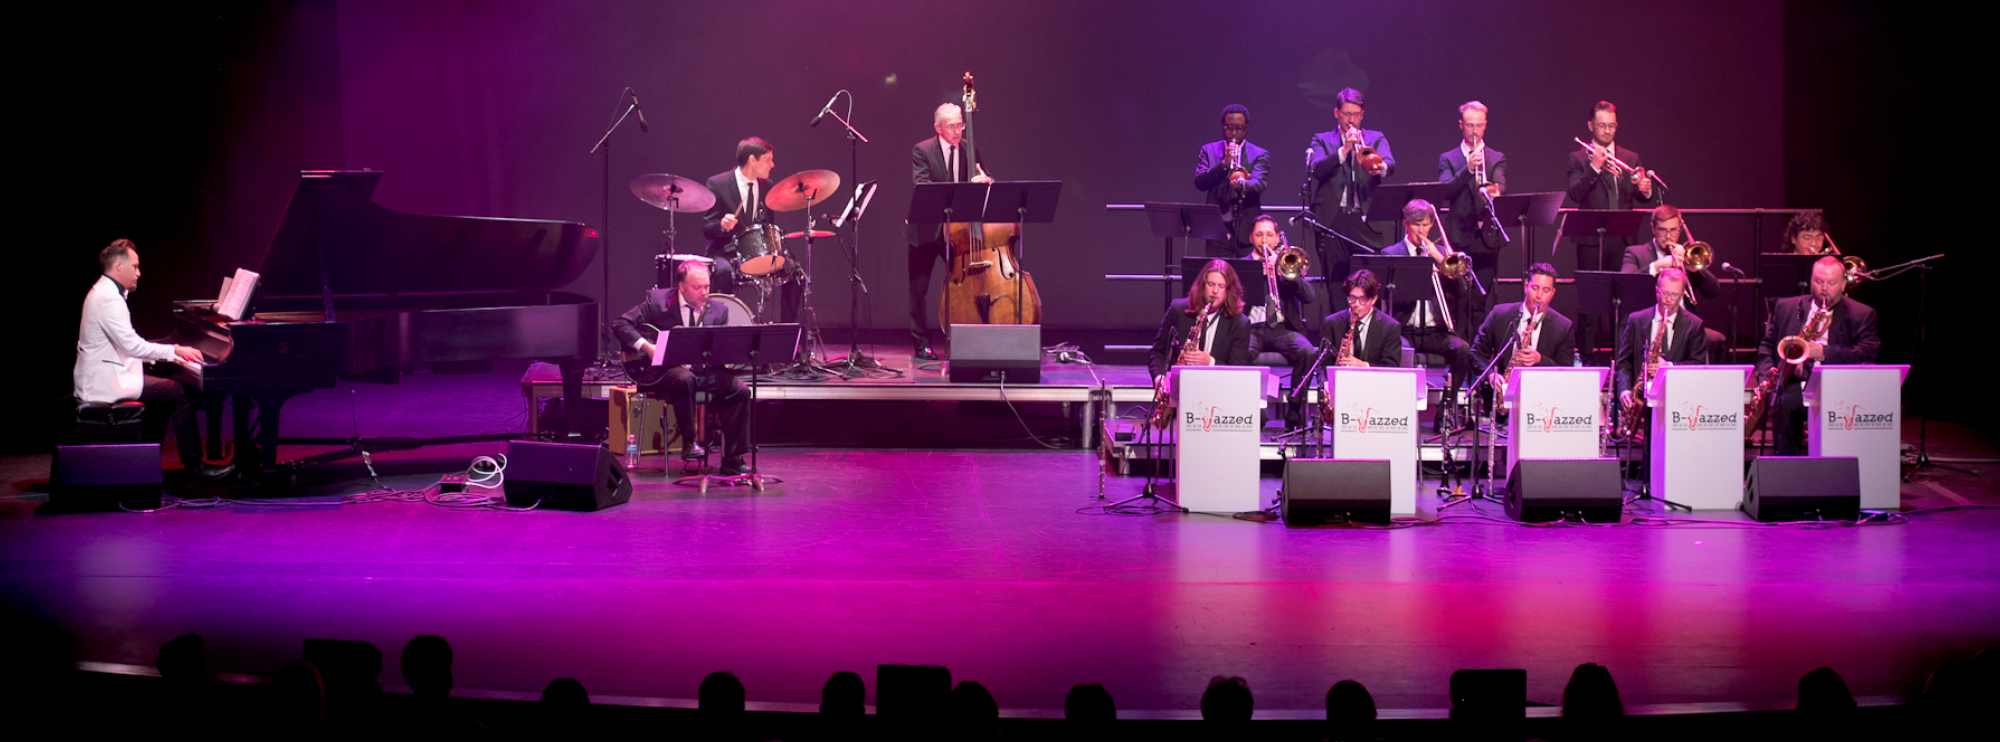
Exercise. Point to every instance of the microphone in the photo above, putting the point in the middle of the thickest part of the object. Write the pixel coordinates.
(1733, 269)
(642, 113)
(823, 110)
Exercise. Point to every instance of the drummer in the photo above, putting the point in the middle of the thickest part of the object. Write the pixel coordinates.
(740, 205)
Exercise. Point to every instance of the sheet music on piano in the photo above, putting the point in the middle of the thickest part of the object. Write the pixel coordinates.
(235, 293)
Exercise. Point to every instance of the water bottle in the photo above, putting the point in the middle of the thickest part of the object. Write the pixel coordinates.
(632, 451)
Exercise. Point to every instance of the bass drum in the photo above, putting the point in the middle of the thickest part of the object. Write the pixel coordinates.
(760, 251)
(739, 314)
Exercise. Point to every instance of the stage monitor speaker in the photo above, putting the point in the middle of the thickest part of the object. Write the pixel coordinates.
(912, 696)
(1543, 490)
(1320, 491)
(1786, 488)
(106, 478)
(564, 476)
(982, 353)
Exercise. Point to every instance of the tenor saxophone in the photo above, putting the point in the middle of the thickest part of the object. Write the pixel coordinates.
(1163, 402)
(1632, 415)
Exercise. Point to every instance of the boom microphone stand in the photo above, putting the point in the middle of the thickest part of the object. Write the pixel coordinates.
(855, 362)
(607, 355)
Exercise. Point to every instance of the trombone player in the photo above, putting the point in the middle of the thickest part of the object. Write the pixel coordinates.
(1671, 248)
(1280, 325)
(1604, 174)
(1849, 338)
(1427, 320)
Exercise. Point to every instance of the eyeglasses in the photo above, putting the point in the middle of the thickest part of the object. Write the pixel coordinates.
(1613, 126)
(1672, 296)
(1352, 299)
(954, 127)
(1235, 127)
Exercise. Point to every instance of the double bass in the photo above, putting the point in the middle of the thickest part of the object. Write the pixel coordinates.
(985, 284)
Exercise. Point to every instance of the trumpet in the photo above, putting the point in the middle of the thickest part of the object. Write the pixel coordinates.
(1365, 157)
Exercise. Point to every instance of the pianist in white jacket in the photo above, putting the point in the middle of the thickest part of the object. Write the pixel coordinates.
(111, 357)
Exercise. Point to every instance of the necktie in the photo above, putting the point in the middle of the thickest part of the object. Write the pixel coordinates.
(754, 202)
(951, 161)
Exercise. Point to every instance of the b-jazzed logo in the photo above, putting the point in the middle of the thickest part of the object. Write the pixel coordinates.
(1845, 416)
(1700, 419)
(1555, 420)
(1366, 421)
(1205, 418)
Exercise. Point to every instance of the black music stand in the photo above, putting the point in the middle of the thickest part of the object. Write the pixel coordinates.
(1022, 202)
(1601, 224)
(856, 363)
(1525, 210)
(1614, 293)
(1783, 274)
(1392, 270)
(1171, 221)
(704, 348)
(1386, 203)
(1254, 291)
(998, 202)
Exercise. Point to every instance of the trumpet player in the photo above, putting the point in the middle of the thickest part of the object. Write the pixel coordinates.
(1849, 338)
(1346, 165)
(1232, 172)
(1668, 249)
(1376, 338)
(1682, 338)
(1428, 324)
(1550, 341)
(1280, 325)
(1477, 174)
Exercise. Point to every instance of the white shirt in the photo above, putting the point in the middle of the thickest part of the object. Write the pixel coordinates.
(1208, 335)
(950, 160)
(1653, 330)
(1610, 151)
(110, 356)
(1534, 338)
(744, 188)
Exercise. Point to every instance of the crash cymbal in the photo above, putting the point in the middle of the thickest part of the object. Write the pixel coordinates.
(817, 233)
(791, 194)
(659, 190)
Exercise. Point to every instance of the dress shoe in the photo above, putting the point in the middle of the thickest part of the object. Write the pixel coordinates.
(925, 354)
(732, 467)
(211, 473)
(692, 450)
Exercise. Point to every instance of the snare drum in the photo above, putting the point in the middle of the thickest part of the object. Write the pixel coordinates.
(760, 250)
(666, 268)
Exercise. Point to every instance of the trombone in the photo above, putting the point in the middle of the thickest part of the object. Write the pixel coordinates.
(1855, 268)
(1618, 166)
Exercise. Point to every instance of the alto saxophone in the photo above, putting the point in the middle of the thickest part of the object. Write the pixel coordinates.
(1500, 374)
(1346, 352)
(1163, 402)
(1632, 415)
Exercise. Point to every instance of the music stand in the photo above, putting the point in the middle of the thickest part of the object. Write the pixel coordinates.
(1391, 270)
(1600, 224)
(1254, 291)
(1386, 203)
(1526, 210)
(1022, 202)
(1610, 292)
(1784, 274)
(704, 348)
(856, 362)
(1171, 221)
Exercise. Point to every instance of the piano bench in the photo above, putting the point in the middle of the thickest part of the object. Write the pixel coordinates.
(115, 422)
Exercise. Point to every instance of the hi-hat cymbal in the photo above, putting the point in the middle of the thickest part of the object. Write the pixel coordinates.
(817, 233)
(792, 194)
(673, 193)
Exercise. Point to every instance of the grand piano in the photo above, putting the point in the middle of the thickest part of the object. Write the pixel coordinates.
(352, 289)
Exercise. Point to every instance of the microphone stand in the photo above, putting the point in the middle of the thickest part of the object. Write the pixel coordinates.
(608, 366)
(1491, 441)
(1923, 269)
(855, 362)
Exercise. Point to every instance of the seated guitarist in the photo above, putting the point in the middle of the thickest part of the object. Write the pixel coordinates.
(689, 305)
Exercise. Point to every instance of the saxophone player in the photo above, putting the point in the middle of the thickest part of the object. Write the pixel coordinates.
(1662, 334)
(1280, 325)
(1549, 340)
(1359, 335)
(1224, 337)
(1849, 338)
(1233, 173)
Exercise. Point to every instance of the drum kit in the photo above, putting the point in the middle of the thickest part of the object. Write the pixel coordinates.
(758, 253)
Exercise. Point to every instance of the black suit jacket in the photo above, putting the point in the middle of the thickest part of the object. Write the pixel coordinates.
(1407, 297)
(1239, 208)
(1231, 346)
(1687, 344)
(727, 199)
(662, 309)
(1556, 341)
(1590, 189)
(1331, 178)
(927, 165)
(1381, 345)
(1467, 209)
(1850, 337)
(1639, 257)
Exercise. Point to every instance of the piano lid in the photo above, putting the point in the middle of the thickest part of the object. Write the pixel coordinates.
(372, 249)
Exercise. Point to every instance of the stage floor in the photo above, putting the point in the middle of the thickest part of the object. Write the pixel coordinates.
(998, 565)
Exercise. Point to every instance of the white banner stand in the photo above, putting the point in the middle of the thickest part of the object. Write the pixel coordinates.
(1217, 417)
(1375, 417)
(1697, 437)
(1554, 412)
(1858, 411)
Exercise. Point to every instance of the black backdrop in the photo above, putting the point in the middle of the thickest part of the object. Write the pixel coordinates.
(183, 127)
